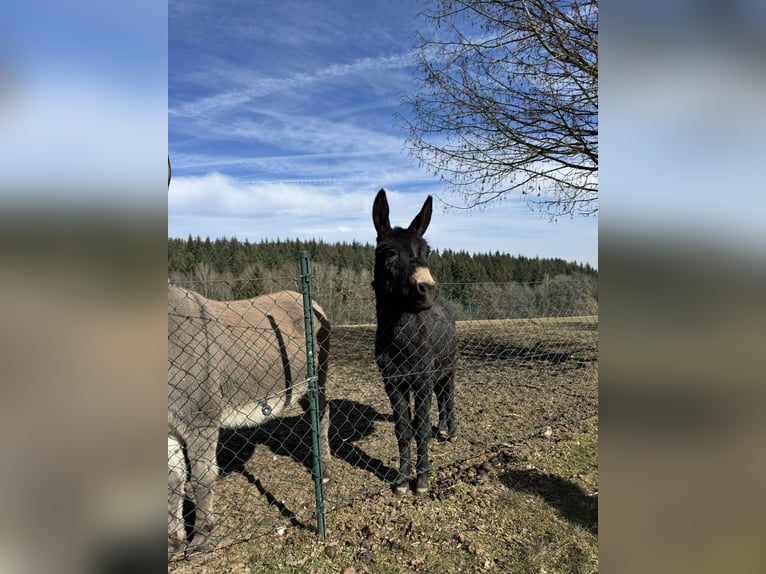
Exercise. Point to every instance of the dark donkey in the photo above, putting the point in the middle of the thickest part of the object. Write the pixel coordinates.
(415, 343)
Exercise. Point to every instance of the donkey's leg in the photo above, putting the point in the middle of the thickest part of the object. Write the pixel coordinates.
(176, 481)
(403, 429)
(445, 397)
(204, 472)
(441, 401)
(176, 530)
(423, 393)
(324, 441)
(451, 413)
(323, 340)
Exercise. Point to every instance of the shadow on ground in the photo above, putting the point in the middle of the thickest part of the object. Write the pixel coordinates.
(571, 501)
(350, 421)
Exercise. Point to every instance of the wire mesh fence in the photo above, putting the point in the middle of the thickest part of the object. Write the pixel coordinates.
(528, 359)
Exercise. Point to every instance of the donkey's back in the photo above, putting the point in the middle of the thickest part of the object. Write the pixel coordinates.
(249, 356)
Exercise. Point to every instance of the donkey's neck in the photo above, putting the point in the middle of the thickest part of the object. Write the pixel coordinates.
(391, 315)
(389, 308)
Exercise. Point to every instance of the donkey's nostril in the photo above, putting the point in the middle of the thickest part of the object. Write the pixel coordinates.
(424, 288)
(425, 292)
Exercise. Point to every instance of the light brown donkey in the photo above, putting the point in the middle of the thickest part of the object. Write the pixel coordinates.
(236, 364)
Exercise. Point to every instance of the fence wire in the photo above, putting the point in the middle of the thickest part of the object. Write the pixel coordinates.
(528, 359)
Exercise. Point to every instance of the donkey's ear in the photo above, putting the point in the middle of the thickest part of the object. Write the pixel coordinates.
(380, 213)
(422, 219)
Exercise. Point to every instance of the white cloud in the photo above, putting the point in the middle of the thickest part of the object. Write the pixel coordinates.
(251, 85)
(223, 196)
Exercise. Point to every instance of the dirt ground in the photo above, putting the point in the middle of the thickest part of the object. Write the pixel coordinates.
(516, 378)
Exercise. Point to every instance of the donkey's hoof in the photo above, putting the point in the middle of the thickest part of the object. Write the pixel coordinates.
(401, 489)
(199, 544)
(421, 486)
(173, 547)
(445, 435)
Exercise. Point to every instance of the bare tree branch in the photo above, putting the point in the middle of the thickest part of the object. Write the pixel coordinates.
(508, 101)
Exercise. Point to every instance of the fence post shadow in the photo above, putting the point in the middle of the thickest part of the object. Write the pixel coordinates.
(272, 500)
(236, 447)
(569, 499)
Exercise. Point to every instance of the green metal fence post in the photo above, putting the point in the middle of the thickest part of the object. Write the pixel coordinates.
(313, 392)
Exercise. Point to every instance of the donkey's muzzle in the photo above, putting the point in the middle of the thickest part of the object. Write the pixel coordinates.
(424, 288)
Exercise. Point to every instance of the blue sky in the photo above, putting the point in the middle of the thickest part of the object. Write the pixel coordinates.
(282, 124)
